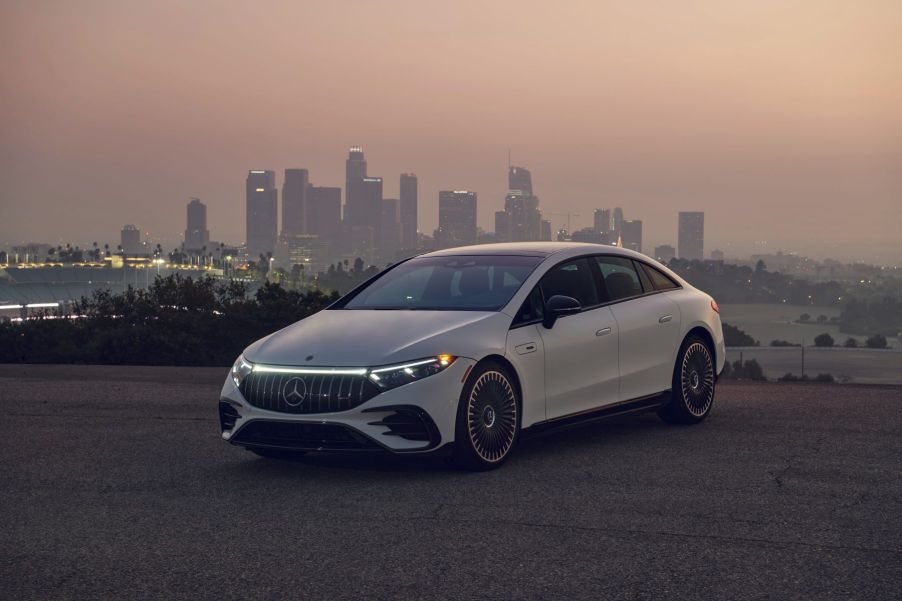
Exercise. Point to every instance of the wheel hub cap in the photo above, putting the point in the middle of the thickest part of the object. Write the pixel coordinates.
(488, 417)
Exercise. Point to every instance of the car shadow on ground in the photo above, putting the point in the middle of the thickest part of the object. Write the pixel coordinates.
(588, 438)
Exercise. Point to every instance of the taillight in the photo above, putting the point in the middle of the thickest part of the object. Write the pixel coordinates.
(714, 306)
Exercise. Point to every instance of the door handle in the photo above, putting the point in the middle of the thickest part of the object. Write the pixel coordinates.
(525, 349)
(603, 332)
(665, 318)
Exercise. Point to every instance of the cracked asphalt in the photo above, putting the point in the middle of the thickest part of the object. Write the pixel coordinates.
(115, 484)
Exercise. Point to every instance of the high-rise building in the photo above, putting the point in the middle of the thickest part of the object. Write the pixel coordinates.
(631, 234)
(294, 201)
(197, 236)
(130, 240)
(408, 211)
(691, 235)
(502, 226)
(456, 218)
(546, 230)
(324, 216)
(390, 230)
(617, 221)
(519, 178)
(262, 213)
(356, 211)
(665, 253)
(603, 220)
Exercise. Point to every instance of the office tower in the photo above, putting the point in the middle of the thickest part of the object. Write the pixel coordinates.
(456, 218)
(546, 230)
(324, 213)
(631, 234)
(408, 211)
(390, 230)
(603, 220)
(519, 178)
(691, 235)
(130, 240)
(502, 226)
(294, 201)
(197, 236)
(355, 173)
(665, 253)
(262, 213)
(617, 221)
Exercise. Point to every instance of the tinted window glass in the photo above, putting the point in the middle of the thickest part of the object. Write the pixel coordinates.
(475, 283)
(647, 286)
(659, 279)
(620, 277)
(573, 279)
(533, 308)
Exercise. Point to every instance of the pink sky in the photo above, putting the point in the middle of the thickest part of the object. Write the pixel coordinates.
(781, 120)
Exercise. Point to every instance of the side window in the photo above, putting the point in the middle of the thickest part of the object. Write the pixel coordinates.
(533, 308)
(658, 278)
(573, 279)
(620, 277)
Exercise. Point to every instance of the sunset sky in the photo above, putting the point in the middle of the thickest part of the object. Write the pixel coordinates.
(781, 120)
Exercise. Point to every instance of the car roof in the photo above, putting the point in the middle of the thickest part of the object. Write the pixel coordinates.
(530, 249)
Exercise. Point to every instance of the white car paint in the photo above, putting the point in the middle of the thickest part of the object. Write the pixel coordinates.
(606, 355)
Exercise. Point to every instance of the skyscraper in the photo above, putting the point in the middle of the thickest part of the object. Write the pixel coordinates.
(130, 240)
(294, 201)
(262, 213)
(456, 218)
(691, 235)
(324, 216)
(408, 211)
(502, 226)
(390, 230)
(602, 220)
(631, 234)
(355, 173)
(197, 235)
(519, 178)
(617, 221)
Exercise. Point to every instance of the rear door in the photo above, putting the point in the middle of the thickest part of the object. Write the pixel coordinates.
(649, 324)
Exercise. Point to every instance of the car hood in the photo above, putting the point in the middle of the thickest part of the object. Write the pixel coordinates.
(361, 338)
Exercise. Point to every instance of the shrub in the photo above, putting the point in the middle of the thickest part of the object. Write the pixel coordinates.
(876, 341)
(824, 378)
(850, 343)
(744, 370)
(804, 317)
(783, 343)
(733, 336)
(823, 340)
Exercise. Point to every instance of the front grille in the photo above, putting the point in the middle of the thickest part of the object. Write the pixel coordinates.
(301, 436)
(306, 393)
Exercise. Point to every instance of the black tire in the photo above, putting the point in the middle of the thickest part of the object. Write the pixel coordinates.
(488, 418)
(280, 454)
(692, 393)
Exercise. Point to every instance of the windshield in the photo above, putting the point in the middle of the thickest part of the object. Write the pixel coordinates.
(454, 283)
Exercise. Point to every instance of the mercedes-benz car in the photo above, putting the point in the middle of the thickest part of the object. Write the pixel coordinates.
(466, 350)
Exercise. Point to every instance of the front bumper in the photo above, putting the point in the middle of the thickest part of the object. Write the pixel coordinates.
(389, 421)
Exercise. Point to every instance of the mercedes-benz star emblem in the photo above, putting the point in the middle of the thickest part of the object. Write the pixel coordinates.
(294, 391)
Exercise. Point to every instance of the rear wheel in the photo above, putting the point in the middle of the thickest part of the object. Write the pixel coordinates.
(488, 418)
(282, 454)
(693, 384)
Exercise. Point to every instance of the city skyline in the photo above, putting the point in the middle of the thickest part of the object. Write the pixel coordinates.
(776, 129)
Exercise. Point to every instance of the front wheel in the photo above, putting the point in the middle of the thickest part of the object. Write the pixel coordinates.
(692, 393)
(488, 418)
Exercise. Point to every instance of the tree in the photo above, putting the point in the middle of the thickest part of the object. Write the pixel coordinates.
(823, 340)
(760, 267)
(804, 317)
(876, 341)
(850, 343)
(783, 343)
(733, 336)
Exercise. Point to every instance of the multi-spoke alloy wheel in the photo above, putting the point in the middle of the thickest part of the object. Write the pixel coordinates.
(697, 379)
(693, 384)
(489, 420)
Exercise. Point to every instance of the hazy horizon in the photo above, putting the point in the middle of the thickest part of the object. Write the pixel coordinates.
(782, 123)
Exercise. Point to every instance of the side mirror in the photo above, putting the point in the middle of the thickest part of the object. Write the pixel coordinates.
(558, 306)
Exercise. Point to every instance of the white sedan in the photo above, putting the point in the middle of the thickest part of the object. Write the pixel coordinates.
(465, 350)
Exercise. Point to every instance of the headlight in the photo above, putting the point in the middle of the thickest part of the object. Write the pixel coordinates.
(241, 370)
(393, 376)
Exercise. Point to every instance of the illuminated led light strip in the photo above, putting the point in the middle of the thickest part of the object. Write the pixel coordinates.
(404, 366)
(41, 305)
(309, 370)
(11, 307)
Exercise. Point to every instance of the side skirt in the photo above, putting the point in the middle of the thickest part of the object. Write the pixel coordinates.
(591, 416)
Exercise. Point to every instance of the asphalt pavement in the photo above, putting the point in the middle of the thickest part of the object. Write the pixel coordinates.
(115, 484)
